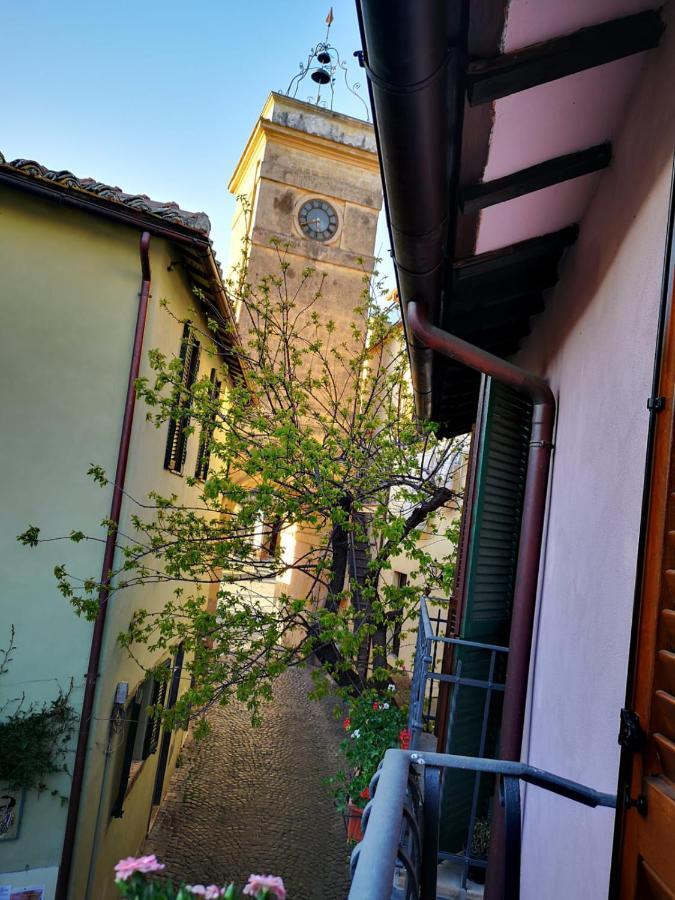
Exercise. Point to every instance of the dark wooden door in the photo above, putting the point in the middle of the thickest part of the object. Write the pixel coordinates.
(647, 859)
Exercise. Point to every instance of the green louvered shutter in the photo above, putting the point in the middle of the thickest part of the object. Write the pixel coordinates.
(178, 433)
(489, 578)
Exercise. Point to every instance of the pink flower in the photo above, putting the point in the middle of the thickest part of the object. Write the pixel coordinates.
(125, 868)
(257, 883)
(210, 892)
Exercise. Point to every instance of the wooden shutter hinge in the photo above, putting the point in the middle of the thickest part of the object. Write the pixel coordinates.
(639, 803)
(656, 404)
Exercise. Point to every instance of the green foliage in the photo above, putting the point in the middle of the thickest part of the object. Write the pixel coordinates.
(30, 537)
(480, 839)
(319, 437)
(34, 739)
(374, 723)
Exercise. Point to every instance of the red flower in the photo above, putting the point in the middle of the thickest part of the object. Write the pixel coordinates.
(345, 724)
(404, 739)
(365, 793)
(376, 705)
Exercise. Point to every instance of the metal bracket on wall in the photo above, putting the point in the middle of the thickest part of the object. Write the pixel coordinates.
(655, 404)
(631, 735)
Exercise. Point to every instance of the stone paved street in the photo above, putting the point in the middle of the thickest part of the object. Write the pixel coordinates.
(253, 799)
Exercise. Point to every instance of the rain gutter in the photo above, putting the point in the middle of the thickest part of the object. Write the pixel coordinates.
(414, 55)
(95, 651)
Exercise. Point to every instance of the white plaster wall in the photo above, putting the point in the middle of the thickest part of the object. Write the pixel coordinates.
(596, 345)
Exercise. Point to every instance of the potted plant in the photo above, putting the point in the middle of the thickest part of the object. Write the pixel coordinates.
(374, 724)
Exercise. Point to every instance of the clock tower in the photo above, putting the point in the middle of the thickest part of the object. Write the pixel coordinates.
(311, 179)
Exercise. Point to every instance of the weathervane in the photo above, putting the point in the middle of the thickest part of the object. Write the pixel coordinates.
(323, 65)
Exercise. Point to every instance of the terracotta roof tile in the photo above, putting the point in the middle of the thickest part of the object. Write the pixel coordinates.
(169, 212)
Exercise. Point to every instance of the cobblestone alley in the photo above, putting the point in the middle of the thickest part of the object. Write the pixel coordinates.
(254, 800)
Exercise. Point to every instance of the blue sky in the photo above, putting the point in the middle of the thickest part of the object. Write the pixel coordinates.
(157, 96)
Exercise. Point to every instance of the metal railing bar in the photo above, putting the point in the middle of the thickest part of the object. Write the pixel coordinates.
(431, 812)
(414, 829)
(426, 623)
(476, 645)
(539, 777)
(512, 838)
(453, 706)
(389, 820)
(413, 880)
(460, 857)
(469, 682)
(481, 752)
(382, 834)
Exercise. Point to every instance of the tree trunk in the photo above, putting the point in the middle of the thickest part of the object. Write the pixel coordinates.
(340, 550)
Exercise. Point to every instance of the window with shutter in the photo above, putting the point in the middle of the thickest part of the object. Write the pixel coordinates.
(166, 736)
(179, 424)
(153, 723)
(488, 578)
(208, 428)
(126, 758)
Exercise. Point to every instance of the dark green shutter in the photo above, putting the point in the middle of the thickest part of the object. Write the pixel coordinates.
(208, 428)
(133, 712)
(177, 437)
(488, 583)
(497, 510)
(153, 724)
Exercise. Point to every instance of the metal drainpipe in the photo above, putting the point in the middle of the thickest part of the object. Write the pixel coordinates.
(534, 505)
(529, 547)
(91, 677)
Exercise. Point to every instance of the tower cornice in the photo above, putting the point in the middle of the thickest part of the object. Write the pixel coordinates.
(266, 129)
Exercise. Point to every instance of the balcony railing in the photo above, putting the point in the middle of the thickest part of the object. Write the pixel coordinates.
(398, 856)
(471, 689)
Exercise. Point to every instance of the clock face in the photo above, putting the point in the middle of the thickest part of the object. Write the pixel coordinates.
(318, 220)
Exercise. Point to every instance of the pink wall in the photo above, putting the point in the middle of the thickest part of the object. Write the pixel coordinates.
(596, 342)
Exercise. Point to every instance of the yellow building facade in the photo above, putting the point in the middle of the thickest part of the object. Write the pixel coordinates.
(72, 277)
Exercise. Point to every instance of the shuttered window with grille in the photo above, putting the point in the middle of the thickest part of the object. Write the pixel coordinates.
(138, 736)
(153, 724)
(179, 424)
(208, 429)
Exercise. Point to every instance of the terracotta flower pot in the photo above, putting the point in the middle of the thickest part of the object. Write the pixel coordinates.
(354, 830)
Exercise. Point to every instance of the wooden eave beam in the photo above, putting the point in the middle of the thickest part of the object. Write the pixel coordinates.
(528, 252)
(507, 313)
(535, 178)
(490, 79)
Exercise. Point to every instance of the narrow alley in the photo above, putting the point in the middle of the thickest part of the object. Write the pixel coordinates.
(251, 799)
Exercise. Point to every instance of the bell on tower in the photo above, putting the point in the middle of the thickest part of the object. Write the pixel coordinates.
(324, 65)
(310, 177)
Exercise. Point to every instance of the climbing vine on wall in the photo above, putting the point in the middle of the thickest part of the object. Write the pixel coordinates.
(34, 738)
